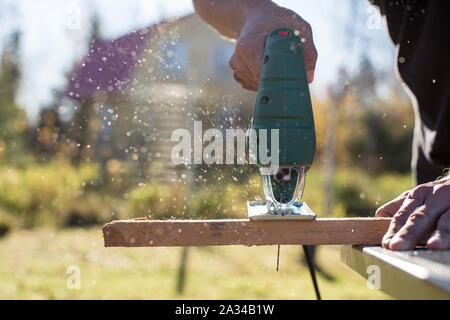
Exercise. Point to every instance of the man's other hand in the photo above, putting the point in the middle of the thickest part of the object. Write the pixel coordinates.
(419, 215)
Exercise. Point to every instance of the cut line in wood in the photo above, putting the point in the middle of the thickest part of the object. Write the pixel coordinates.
(169, 233)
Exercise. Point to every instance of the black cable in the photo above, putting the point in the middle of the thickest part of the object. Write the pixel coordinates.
(278, 258)
(312, 270)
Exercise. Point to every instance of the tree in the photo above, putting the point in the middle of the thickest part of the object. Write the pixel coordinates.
(12, 118)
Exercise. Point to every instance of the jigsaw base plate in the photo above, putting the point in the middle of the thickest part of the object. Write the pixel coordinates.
(259, 211)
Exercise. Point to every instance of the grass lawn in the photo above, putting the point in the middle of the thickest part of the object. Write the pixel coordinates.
(33, 265)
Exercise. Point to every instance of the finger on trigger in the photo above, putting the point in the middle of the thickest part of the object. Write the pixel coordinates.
(440, 239)
(245, 82)
(234, 62)
(241, 73)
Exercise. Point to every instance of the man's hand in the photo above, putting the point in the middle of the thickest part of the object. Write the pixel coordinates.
(247, 58)
(250, 22)
(421, 214)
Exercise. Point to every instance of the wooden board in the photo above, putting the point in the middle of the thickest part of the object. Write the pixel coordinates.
(414, 274)
(163, 233)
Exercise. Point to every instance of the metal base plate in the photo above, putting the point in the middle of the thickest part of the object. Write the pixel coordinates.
(257, 210)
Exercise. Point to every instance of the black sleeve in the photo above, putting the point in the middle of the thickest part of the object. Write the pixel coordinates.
(381, 4)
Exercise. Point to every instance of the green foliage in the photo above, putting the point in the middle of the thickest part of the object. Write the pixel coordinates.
(360, 194)
(62, 194)
(207, 204)
(43, 193)
(156, 200)
(12, 118)
(91, 208)
(384, 142)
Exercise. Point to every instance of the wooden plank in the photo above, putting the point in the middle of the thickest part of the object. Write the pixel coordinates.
(415, 274)
(162, 233)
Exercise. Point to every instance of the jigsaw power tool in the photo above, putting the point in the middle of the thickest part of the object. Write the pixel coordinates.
(283, 102)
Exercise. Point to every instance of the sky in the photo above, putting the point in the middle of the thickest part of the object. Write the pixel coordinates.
(55, 33)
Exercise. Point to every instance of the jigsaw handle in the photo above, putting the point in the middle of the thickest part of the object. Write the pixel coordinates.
(283, 101)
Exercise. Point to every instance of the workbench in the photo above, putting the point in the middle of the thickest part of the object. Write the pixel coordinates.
(415, 274)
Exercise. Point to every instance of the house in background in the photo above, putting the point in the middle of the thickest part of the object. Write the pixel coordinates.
(136, 90)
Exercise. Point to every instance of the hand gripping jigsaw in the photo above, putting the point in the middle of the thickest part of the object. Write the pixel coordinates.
(283, 102)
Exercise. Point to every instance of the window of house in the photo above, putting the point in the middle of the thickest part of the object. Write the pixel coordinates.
(174, 55)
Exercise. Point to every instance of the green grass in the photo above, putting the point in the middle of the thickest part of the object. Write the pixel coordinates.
(33, 265)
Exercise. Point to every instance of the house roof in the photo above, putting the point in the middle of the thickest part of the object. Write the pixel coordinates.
(108, 67)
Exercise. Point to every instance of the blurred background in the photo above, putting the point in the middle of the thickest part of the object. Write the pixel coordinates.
(90, 92)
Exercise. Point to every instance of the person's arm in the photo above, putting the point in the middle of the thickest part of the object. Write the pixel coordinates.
(250, 22)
